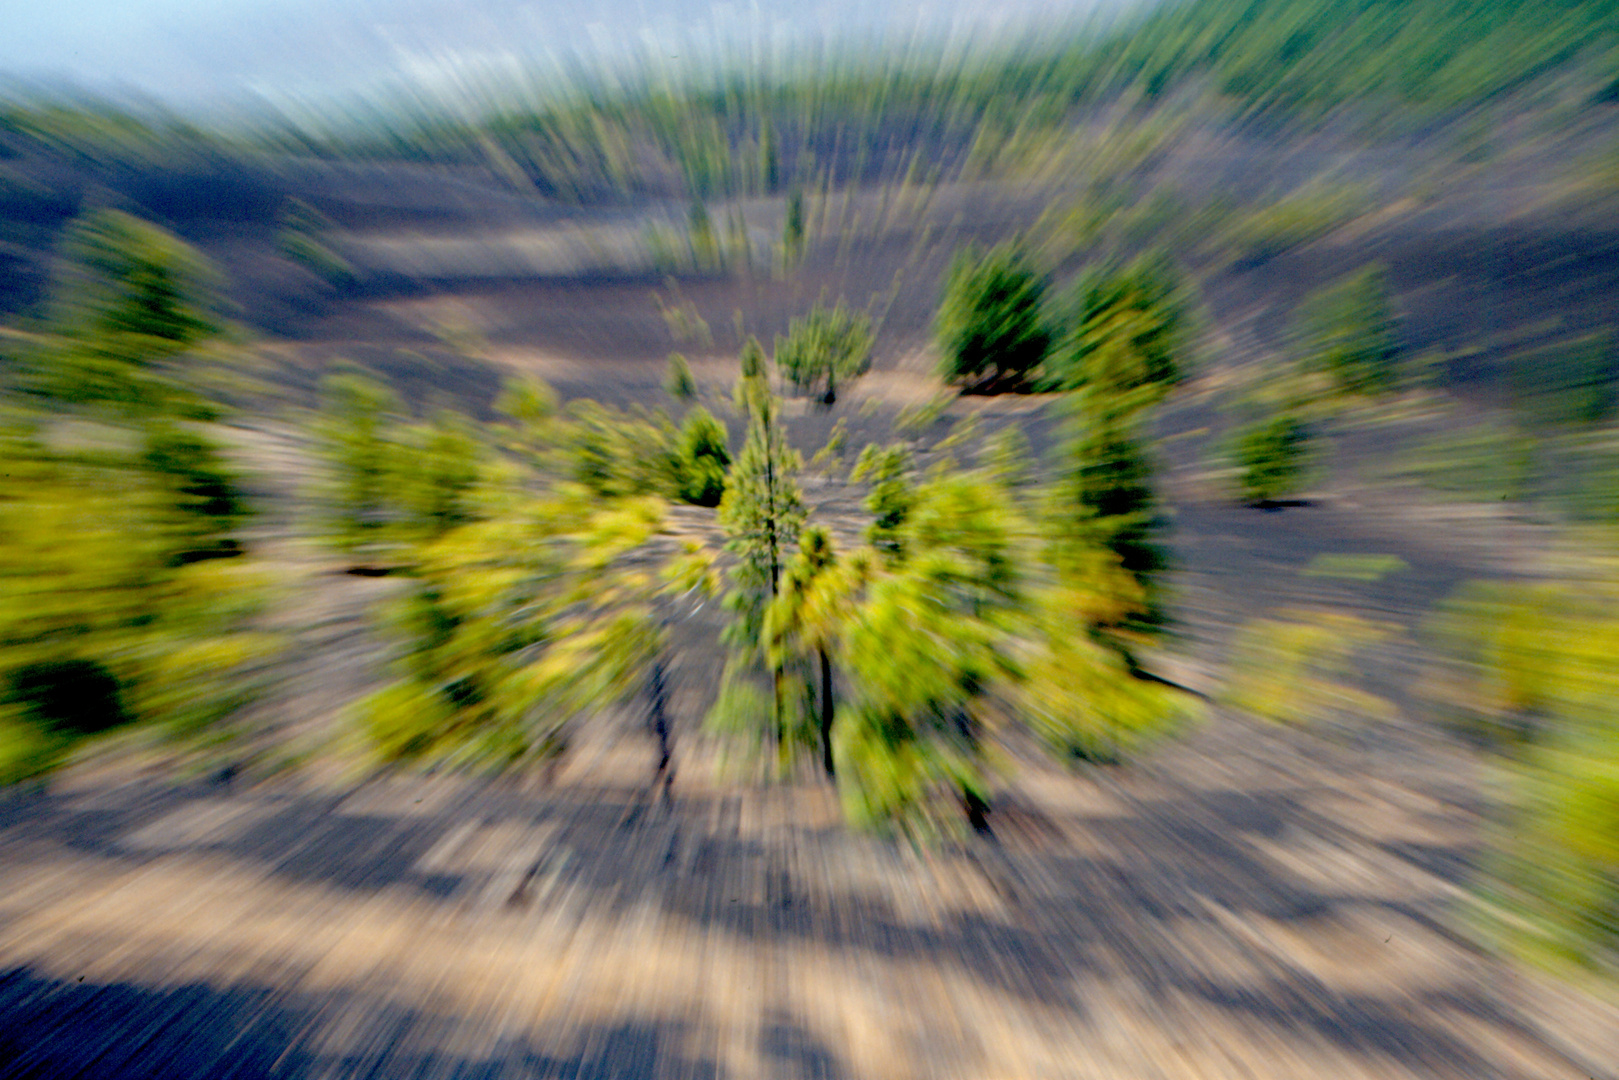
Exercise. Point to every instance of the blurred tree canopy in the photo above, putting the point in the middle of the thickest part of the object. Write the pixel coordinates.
(1347, 330)
(678, 382)
(511, 627)
(116, 605)
(129, 286)
(826, 348)
(701, 458)
(990, 325)
(1273, 454)
(1531, 672)
(1123, 328)
(762, 513)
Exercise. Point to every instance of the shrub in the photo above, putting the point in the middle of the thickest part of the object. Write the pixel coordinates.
(827, 347)
(1348, 331)
(701, 459)
(990, 327)
(1273, 453)
(1124, 331)
(678, 382)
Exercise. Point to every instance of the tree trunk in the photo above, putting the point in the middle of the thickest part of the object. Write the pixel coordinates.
(778, 679)
(826, 711)
(660, 718)
(977, 812)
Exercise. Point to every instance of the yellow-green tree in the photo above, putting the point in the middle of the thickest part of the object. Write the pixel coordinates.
(1124, 329)
(804, 625)
(127, 298)
(1348, 330)
(825, 349)
(931, 651)
(762, 514)
(515, 625)
(1531, 669)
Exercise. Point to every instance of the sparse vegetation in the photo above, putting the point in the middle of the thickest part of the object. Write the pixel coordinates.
(677, 381)
(1150, 231)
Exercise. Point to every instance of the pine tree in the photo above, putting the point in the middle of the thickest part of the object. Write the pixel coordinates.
(1125, 331)
(762, 510)
(792, 233)
(762, 513)
(827, 347)
(1104, 496)
(928, 647)
(363, 458)
(806, 621)
(892, 495)
(1348, 330)
(678, 382)
(770, 159)
(990, 326)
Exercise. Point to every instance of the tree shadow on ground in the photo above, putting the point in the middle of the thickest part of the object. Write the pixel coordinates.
(121, 1031)
(1179, 863)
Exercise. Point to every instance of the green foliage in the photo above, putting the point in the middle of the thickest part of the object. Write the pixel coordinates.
(1007, 457)
(1124, 332)
(826, 348)
(990, 328)
(677, 380)
(614, 453)
(730, 129)
(127, 300)
(512, 626)
(701, 459)
(917, 418)
(705, 245)
(928, 648)
(114, 609)
(1103, 494)
(769, 158)
(752, 387)
(1274, 455)
(802, 631)
(356, 433)
(1081, 695)
(762, 511)
(1355, 567)
(300, 239)
(1300, 668)
(136, 291)
(102, 624)
(792, 235)
(204, 498)
(443, 469)
(1255, 235)
(390, 483)
(1347, 330)
(1571, 383)
(1487, 461)
(762, 514)
(686, 325)
(533, 425)
(964, 615)
(1531, 670)
(891, 474)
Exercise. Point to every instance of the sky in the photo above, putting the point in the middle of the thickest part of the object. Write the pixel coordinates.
(192, 53)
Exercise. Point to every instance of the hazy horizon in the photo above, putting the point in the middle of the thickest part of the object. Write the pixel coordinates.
(190, 54)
